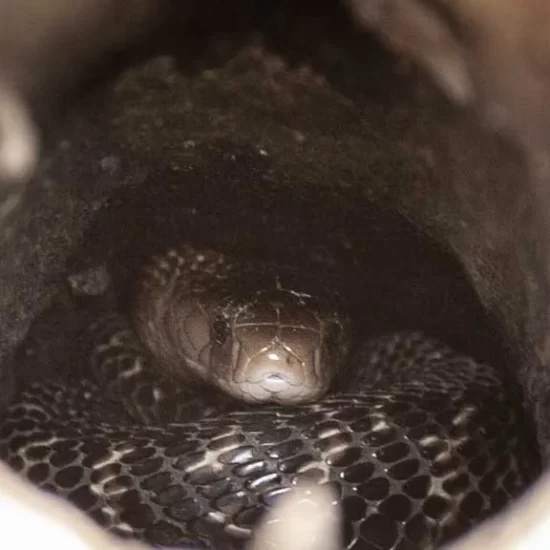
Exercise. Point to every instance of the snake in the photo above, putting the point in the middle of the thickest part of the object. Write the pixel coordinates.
(223, 383)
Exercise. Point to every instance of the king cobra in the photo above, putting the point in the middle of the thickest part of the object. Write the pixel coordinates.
(225, 383)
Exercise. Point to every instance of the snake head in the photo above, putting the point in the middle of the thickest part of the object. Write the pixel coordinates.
(281, 347)
(248, 329)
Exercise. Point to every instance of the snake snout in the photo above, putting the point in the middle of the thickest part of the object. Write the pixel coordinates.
(276, 383)
(277, 374)
(275, 346)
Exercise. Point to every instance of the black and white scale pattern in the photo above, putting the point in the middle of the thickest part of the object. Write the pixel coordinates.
(425, 445)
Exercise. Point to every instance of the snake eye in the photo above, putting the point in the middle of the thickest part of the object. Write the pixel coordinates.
(220, 330)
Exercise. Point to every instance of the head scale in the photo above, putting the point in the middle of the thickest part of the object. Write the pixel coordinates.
(279, 347)
(240, 329)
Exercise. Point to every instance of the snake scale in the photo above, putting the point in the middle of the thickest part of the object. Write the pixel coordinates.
(226, 382)
(422, 444)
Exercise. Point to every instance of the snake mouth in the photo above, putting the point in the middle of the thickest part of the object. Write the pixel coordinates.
(274, 391)
(276, 383)
(276, 374)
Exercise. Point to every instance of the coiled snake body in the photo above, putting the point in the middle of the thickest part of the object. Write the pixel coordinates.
(153, 439)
